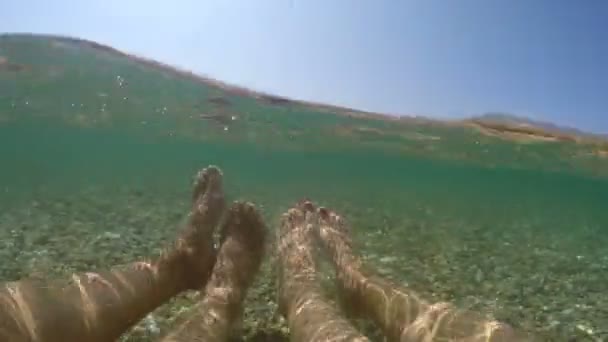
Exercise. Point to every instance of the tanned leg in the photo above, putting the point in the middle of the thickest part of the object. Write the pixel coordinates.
(242, 248)
(102, 306)
(398, 311)
(309, 315)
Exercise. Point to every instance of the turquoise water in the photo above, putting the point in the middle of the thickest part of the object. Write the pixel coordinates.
(433, 214)
(45, 154)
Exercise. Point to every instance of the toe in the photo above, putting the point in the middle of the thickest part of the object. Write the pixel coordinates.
(207, 180)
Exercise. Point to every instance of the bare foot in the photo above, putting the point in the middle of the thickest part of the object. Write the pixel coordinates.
(194, 250)
(243, 236)
(311, 317)
(329, 220)
(242, 240)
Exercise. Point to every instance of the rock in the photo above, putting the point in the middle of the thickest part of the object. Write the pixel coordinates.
(110, 235)
(388, 259)
(151, 326)
(479, 276)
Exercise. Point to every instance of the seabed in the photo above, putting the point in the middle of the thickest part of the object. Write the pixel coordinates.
(437, 257)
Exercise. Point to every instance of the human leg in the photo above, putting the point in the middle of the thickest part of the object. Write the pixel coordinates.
(242, 247)
(101, 306)
(309, 315)
(398, 311)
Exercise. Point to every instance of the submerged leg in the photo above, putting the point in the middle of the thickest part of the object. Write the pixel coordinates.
(242, 236)
(310, 317)
(101, 306)
(398, 311)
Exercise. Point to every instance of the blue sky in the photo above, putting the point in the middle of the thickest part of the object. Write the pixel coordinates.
(448, 59)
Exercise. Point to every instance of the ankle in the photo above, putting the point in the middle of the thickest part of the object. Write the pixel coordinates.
(185, 268)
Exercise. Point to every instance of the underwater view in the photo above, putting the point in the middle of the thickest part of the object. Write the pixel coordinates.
(99, 150)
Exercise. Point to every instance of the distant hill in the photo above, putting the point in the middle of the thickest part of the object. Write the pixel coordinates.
(512, 119)
(201, 78)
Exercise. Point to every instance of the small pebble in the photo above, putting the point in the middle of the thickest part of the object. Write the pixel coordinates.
(388, 259)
